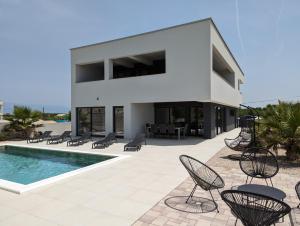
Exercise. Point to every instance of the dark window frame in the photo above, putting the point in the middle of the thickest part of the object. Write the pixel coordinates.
(91, 120)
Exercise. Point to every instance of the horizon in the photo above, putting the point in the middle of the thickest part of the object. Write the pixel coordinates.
(35, 44)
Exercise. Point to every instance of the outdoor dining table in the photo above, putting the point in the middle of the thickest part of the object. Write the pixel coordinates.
(178, 129)
(263, 190)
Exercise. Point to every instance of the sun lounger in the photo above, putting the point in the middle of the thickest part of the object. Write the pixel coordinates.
(106, 141)
(39, 137)
(79, 140)
(59, 138)
(136, 143)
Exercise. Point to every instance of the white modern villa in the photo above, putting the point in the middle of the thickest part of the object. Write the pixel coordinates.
(183, 74)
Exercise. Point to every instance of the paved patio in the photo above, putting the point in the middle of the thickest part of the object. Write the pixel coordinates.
(117, 194)
(161, 214)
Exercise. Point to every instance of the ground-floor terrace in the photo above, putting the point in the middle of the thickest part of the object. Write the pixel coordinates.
(196, 119)
(134, 190)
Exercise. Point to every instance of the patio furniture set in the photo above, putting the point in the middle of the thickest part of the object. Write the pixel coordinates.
(133, 145)
(166, 130)
(252, 204)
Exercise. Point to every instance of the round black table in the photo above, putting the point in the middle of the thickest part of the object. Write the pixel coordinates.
(263, 190)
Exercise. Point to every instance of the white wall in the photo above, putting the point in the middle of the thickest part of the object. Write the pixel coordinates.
(221, 91)
(140, 115)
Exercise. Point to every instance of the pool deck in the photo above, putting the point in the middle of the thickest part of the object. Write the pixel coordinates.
(116, 194)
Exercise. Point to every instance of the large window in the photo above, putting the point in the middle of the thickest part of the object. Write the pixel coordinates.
(222, 68)
(139, 65)
(180, 114)
(90, 72)
(91, 120)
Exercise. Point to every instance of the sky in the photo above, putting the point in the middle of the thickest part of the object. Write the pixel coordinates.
(36, 35)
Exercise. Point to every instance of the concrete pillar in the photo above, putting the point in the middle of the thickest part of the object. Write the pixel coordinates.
(209, 120)
(73, 121)
(108, 69)
(127, 122)
(108, 119)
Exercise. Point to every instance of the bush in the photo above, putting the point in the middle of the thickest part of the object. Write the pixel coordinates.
(280, 126)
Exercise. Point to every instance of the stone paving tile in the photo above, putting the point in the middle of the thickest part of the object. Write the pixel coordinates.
(161, 214)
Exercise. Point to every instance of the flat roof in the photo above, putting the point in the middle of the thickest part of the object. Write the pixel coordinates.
(167, 28)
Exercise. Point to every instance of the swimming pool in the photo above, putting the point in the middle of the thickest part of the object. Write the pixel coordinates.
(22, 168)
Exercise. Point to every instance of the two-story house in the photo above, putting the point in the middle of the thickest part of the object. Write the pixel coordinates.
(182, 74)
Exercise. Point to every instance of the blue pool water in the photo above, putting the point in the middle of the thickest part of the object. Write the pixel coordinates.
(28, 165)
(62, 121)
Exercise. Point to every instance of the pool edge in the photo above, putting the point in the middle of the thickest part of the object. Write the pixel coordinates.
(18, 188)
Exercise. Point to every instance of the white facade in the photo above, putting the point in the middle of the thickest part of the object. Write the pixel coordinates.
(189, 74)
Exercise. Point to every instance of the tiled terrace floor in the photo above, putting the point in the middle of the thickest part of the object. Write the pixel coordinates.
(116, 194)
(161, 214)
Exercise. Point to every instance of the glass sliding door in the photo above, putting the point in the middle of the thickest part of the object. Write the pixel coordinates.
(83, 120)
(118, 120)
(178, 115)
(162, 115)
(196, 121)
(98, 121)
(91, 119)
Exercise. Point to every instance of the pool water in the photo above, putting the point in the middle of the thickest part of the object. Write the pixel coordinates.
(29, 165)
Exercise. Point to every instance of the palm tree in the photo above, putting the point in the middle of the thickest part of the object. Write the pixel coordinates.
(280, 125)
(23, 118)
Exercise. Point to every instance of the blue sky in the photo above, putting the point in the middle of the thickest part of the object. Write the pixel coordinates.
(36, 35)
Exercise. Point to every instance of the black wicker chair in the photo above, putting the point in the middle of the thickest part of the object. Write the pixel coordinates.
(202, 175)
(297, 188)
(253, 209)
(240, 143)
(259, 163)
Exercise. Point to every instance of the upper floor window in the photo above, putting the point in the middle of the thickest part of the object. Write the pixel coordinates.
(139, 65)
(90, 72)
(222, 68)
(239, 84)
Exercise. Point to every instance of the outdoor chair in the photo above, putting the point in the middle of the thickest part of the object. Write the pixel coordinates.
(79, 140)
(154, 131)
(240, 143)
(59, 138)
(39, 137)
(136, 143)
(106, 141)
(259, 163)
(163, 129)
(253, 209)
(202, 175)
(171, 130)
(297, 188)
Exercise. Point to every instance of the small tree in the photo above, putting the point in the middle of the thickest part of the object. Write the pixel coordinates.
(23, 118)
(280, 125)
